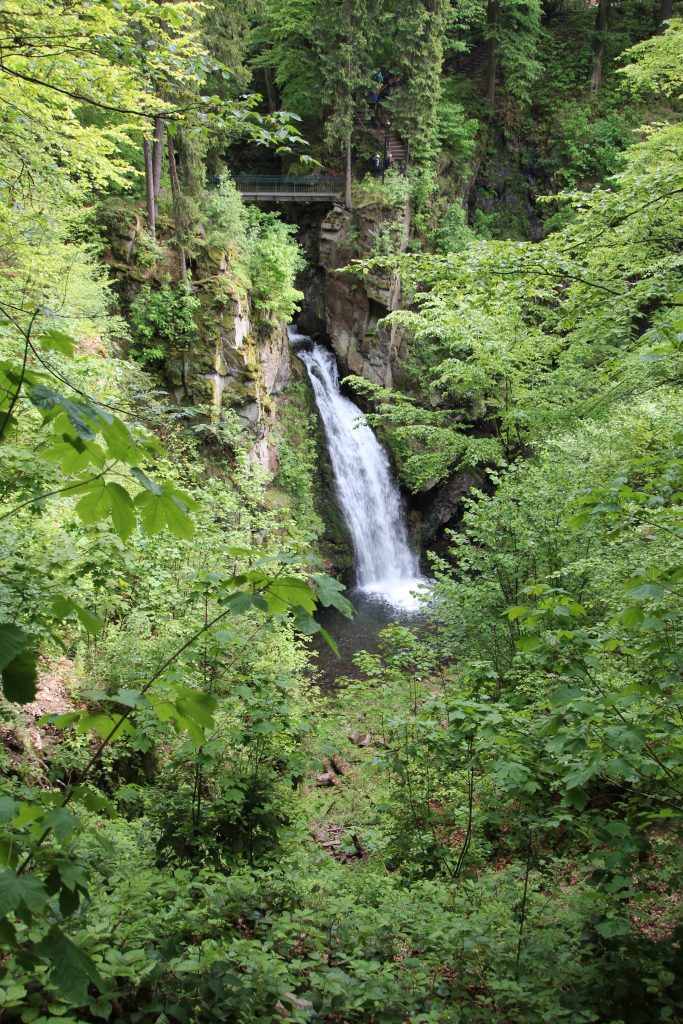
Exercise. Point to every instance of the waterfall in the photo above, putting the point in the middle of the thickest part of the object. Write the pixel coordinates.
(386, 566)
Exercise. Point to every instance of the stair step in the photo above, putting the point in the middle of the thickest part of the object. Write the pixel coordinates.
(395, 144)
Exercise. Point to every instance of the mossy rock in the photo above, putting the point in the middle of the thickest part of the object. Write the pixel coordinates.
(202, 389)
(239, 393)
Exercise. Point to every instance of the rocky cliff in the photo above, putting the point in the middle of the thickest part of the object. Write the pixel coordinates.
(237, 359)
(347, 308)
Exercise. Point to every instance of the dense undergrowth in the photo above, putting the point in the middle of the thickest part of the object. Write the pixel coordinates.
(482, 823)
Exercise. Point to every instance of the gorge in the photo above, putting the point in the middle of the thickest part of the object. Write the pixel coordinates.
(340, 665)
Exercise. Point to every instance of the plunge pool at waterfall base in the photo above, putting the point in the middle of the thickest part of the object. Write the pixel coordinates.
(361, 633)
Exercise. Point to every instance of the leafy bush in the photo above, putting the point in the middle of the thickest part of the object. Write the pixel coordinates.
(456, 132)
(275, 260)
(453, 233)
(162, 321)
(226, 217)
(264, 255)
(298, 457)
(393, 193)
(147, 250)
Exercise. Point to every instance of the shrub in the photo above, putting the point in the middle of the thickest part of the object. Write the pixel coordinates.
(163, 321)
(275, 260)
(393, 193)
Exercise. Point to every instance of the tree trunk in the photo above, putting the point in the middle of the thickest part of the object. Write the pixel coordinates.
(177, 208)
(599, 37)
(666, 10)
(157, 153)
(492, 62)
(149, 189)
(347, 176)
(271, 92)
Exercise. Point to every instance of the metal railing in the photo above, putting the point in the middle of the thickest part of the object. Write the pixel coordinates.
(301, 186)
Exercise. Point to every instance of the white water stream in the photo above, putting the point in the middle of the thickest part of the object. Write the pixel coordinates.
(386, 566)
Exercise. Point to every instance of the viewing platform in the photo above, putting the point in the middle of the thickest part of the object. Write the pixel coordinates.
(285, 188)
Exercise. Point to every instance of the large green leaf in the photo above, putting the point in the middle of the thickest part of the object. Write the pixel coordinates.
(91, 623)
(82, 416)
(95, 505)
(17, 890)
(20, 677)
(177, 519)
(304, 622)
(61, 821)
(148, 484)
(152, 512)
(119, 441)
(73, 455)
(57, 341)
(289, 592)
(122, 510)
(331, 593)
(160, 510)
(8, 808)
(240, 601)
(70, 969)
(196, 705)
(63, 607)
(12, 641)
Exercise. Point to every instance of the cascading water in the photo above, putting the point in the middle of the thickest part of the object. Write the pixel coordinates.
(386, 566)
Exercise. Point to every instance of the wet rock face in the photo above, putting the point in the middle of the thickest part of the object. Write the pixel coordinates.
(238, 359)
(312, 319)
(352, 306)
(243, 361)
(444, 506)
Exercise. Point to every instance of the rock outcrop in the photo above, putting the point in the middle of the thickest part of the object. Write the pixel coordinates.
(353, 305)
(239, 361)
(239, 358)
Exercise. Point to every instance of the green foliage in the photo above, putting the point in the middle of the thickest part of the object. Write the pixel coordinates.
(97, 473)
(275, 260)
(654, 64)
(392, 194)
(515, 34)
(298, 458)
(226, 217)
(162, 321)
(456, 131)
(453, 233)
(502, 843)
(264, 256)
(416, 36)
